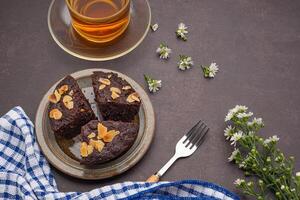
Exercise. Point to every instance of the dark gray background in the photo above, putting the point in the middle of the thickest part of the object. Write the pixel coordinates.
(256, 44)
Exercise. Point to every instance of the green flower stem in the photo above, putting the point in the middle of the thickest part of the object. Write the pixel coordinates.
(260, 158)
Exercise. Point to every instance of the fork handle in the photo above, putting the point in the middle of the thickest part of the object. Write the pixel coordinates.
(153, 179)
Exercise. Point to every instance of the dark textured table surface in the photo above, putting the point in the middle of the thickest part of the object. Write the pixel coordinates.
(256, 44)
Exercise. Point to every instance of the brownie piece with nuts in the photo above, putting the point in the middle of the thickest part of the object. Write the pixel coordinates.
(116, 99)
(68, 109)
(106, 140)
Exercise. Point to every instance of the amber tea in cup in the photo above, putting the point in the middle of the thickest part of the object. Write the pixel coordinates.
(99, 21)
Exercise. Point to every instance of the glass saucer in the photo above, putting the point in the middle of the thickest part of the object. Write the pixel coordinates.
(59, 23)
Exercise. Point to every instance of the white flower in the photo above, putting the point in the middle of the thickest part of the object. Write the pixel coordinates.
(298, 174)
(228, 132)
(229, 116)
(213, 69)
(153, 85)
(233, 155)
(233, 111)
(163, 50)
(244, 115)
(250, 184)
(251, 133)
(239, 182)
(242, 165)
(256, 121)
(282, 187)
(185, 62)
(154, 27)
(182, 31)
(239, 108)
(210, 71)
(236, 137)
(274, 138)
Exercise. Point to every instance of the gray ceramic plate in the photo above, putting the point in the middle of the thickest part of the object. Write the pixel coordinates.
(64, 154)
(59, 23)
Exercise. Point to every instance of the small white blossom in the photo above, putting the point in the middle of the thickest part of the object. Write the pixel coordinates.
(239, 108)
(236, 137)
(164, 51)
(154, 27)
(244, 115)
(282, 187)
(274, 138)
(210, 71)
(182, 31)
(242, 165)
(228, 132)
(233, 111)
(238, 182)
(185, 62)
(256, 121)
(250, 184)
(153, 85)
(298, 174)
(233, 155)
(229, 116)
(251, 133)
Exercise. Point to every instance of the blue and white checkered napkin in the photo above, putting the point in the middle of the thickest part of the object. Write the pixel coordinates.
(25, 173)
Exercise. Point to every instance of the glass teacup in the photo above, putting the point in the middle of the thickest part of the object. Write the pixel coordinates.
(99, 21)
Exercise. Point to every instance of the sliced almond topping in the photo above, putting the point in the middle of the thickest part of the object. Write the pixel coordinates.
(52, 98)
(55, 114)
(105, 81)
(102, 130)
(133, 97)
(63, 89)
(71, 93)
(102, 86)
(83, 149)
(129, 99)
(109, 76)
(91, 135)
(114, 95)
(90, 149)
(127, 87)
(110, 135)
(82, 110)
(55, 97)
(68, 102)
(69, 105)
(97, 144)
(67, 98)
(115, 89)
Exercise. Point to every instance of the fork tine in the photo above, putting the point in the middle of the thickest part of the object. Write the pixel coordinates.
(198, 135)
(195, 134)
(191, 131)
(201, 139)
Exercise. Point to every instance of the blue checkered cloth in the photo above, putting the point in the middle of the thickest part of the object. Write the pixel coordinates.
(25, 173)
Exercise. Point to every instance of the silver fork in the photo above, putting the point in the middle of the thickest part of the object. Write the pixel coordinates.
(185, 147)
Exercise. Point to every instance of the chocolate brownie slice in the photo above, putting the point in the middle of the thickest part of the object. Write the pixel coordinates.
(68, 109)
(106, 140)
(116, 99)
